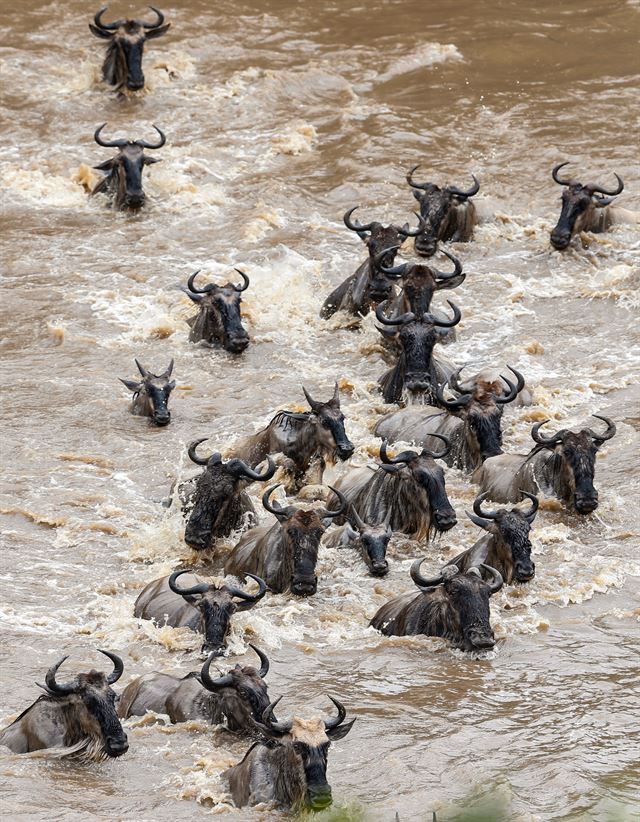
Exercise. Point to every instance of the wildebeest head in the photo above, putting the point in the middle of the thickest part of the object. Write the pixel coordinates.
(578, 201)
(329, 423)
(438, 210)
(510, 529)
(91, 703)
(123, 62)
(216, 490)
(154, 391)
(428, 477)
(574, 461)
(420, 282)
(216, 605)
(465, 601)
(481, 411)
(307, 743)
(220, 318)
(124, 180)
(301, 533)
(371, 540)
(417, 334)
(382, 243)
(242, 692)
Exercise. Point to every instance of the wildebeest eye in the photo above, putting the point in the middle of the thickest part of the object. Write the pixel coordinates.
(326, 424)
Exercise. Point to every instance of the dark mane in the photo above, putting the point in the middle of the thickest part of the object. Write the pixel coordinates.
(287, 420)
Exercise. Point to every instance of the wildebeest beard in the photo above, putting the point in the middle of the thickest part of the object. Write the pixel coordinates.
(514, 531)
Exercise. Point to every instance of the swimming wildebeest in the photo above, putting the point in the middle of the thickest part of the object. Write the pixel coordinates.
(151, 394)
(234, 698)
(285, 553)
(417, 372)
(123, 183)
(370, 541)
(582, 210)
(303, 438)
(219, 502)
(218, 320)
(562, 465)
(290, 767)
(506, 545)
(368, 286)
(471, 422)
(448, 214)
(454, 605)
(80, 715)
(409, 487)
(123, 61)
(204, 607)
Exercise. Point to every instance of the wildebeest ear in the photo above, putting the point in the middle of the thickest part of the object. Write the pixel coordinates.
(106, 166)
(341, 731)
(132, 385)
(106, 35)
(453, 282)
(151, 34)
(148, 161)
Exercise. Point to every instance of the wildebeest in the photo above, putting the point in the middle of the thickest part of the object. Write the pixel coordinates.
(151, 394)
(448, 213)
(80, 715)
(235, 698)
(506, 545)
(218, 320)
(454, 605)
(123, 183)
(290, 767)
(285, 553)
(204, 607)
(409, 487)
(310, 436)
(219, 501)
(562, 465)
(582, 210)
(370, 541)
(369, 285)
(123, 61)
(417, 373)
(471, 422)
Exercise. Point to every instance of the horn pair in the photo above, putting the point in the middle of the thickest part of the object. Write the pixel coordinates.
(275, 508)
(406, 456)
(354, 225)
(147, 375)
(401, 270)
(121, 143)
(592, 187)
(203, 587)
(556, 439)
(495, 577)
(212, 287)
(243, 468)
(285, 726)
(227, 680)
(315, 405)
(409, 317)
(483, 518)
(475, 188)
(59, 689)
(116, 25)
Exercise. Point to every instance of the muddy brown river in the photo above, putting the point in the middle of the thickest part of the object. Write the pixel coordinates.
(279, 116)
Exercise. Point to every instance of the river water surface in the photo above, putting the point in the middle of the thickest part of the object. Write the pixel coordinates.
(280, 116)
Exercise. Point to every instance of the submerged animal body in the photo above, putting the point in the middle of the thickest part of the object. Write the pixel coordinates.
(371, 541)
(219, 320)
(453, 605)
(151, 394)
(79, 715)
(562, 465)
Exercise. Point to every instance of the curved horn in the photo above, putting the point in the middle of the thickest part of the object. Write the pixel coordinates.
(200, 588)
(514, 390)
(268, 506)
(610, 432)
(106, 26)
(359, 521)
(457, 316)
(168, 371)
(453, 380)
(52, 685)
(479, 521)
(191, 285)
(497, 582)
(475, 188)
(394, 271)
(420, 581)
(535, 502)
(163, 139)
(264, 661)
(191, 450)
(413, 232)
(402, 320)
(278, 728)
(459, 402)
(593, 188)
(313, 404)
(427, 452)
(213, 684)
(236, 592)
(343, 505)
(255, 476)
(537, 437)
(555, 171)
(443, 275)
(245, 279)
(159, 21)
(409, 178)
(108, 143)
(477, 507)
(330, 724)
(118, 666)
(404, 456)
(355, 226)
(143, 371)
